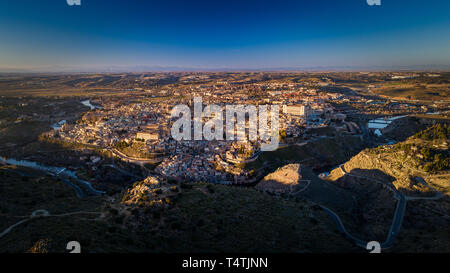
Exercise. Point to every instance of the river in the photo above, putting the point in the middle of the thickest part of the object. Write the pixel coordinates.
(381, 123)
(58, 125)
(88, 104)
(55, 171)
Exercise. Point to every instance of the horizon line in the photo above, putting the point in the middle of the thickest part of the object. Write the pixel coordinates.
(181, 69)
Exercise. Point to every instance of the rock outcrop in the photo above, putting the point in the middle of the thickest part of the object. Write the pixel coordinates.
(285, 179)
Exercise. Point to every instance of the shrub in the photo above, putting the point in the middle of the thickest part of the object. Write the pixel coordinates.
(210, 188)
(200, 223)
(119, 219)
(114, 211)
(185, 186)
(168, 201)
(122, 145)
(313, 221)
(40, 246)
(437, 131)
(156, 214)
(175, 225)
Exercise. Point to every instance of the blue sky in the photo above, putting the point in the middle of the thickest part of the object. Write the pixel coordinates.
(216, 34)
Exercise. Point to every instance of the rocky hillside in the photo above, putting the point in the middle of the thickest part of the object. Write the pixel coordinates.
(321, 153)
(286, 179)
(422, 156)
(154, 215)
(204, 217)
(418, 168)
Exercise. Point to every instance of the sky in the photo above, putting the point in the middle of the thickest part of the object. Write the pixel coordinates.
(102, 35)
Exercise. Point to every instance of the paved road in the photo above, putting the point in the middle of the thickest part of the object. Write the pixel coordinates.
(42, 213)
(398, 215)
(6, 231)
(308, 182)
(341, 227)
(139, 161)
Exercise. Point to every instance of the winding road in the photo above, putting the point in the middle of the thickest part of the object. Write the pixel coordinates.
(39, 214)
(398, 215)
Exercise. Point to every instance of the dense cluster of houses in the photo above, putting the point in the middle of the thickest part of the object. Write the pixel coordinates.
(149, 123)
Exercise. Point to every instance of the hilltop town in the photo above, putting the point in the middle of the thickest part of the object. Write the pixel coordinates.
(137, 127)
(107, 141)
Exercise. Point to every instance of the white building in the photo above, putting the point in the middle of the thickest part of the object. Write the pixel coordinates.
(297, 110)
(147, 136)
